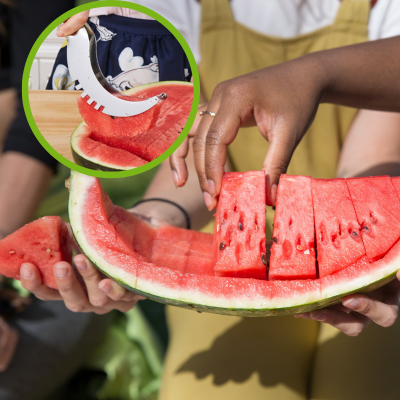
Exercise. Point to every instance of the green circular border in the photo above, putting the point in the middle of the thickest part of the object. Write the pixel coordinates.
(43, 141)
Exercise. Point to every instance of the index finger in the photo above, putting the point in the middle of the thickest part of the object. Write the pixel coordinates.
(73, 24)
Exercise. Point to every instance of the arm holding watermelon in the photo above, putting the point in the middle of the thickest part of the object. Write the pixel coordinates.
(85, 289)
(282, 101)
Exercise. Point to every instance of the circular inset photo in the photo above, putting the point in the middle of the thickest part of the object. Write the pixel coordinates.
(110, 91)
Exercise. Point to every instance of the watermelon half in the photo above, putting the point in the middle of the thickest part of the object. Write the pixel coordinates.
(174, 266)
(107, 143)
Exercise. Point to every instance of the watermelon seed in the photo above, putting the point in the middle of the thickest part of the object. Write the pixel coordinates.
(365, 227)
(263, 259)
(199, 312)
(275, 240)
(12, 252)
(48, 250)
(273, 207)
(354, 234)
(240, 226)
(299, 248)
(112, 117)
(191, 306)
(217, 227)
(222, 245)
(307, 252)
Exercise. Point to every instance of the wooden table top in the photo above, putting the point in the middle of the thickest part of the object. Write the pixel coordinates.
(56, 115)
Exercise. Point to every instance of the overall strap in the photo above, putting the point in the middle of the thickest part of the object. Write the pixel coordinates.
(353, 11)
(216, 14)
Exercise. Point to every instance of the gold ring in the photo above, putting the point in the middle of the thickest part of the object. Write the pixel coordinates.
(207, 112)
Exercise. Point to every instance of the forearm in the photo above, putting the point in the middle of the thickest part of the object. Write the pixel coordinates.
(189, 197)
(23, 183)
(365, 75)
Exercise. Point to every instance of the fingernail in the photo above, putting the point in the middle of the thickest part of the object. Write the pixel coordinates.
(26, 272)
(81, 265)
(208, 201)
(175, 178)
(351, 303)
(106, 288)
(319, 317)
(211, 188)
(61, 271)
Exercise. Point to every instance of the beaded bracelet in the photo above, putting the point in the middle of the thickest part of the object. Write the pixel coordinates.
(187, 218)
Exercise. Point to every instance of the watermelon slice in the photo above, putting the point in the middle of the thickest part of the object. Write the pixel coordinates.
(293, 251)
(121, 246)
(378, 212)
(95, 155)
(43, 242)
(239, 233)
(121, 143)
(338, 235)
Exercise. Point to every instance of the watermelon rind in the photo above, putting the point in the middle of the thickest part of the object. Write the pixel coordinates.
(245, 306)
(91, 162)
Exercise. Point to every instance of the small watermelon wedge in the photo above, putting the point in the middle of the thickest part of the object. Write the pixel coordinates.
(293, 250)
(378, 212)
(338, 234)
(239, 233)
(43, 242)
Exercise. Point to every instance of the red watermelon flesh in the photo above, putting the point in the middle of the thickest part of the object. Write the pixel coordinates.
(121, 235)
(43, 243)
(239, 233)
(183, 250)
(396, 184)
(377, 208)
(292, 251)
(150, 144)
(338, 234)
(118, 126)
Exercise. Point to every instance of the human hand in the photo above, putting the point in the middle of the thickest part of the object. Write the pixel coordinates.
(356, 311)
(177, 160)
(281, 101)
(73, 24)
(84, 289)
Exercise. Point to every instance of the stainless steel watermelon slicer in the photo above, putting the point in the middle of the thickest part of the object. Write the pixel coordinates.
(84, 67)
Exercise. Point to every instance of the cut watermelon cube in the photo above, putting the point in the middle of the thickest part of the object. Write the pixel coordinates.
(239, 233)
(378, 212)
(339, 242)
(292, 251)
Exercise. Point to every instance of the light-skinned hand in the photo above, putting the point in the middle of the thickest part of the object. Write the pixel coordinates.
(73, 24)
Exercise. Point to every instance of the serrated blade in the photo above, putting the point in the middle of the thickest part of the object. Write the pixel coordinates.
(84, 67)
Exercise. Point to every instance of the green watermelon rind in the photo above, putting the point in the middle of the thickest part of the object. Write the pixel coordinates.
(91, 162)
(78, 186)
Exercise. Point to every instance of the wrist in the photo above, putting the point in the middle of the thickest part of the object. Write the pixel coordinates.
(163, 212)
